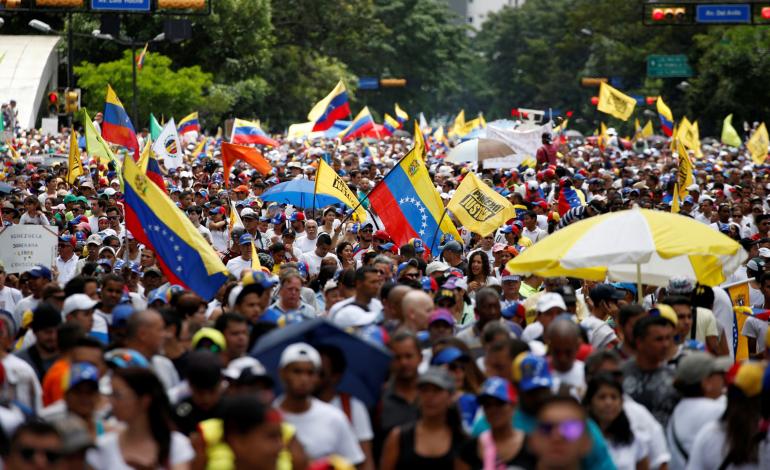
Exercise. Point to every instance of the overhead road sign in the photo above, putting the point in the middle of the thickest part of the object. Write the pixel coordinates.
(739, 13)
(668, 66)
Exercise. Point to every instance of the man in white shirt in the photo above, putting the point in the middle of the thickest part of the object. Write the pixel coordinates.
(308, 241)
(39, 276)
(531, 230)
(604, 298)
(322, 429)
(239, 263)
(315, 257)
(361, 309)
(66, 262)
(9, 296)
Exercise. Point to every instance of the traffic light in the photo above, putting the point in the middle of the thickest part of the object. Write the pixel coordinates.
(669, 15)
(393, 82)
(53, 102)
(589, 82)
(181, 4)
(651, 100)
(59, 3)
(595, 100)
(765, 13)
(72, 100)
(10, 3)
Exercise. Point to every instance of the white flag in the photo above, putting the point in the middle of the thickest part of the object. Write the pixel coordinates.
(524, 143)
(168, 148)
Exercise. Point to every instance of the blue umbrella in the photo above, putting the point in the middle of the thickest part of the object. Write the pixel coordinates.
(298, 193)
(367, 364)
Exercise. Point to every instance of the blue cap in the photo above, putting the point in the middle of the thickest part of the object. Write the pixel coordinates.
(506, 229)
(499, 388)
(387, 246)
(41, 271)
(104, 261)
(157, 294)
(418, 245)
(120, 314)
(118, 265)
(245, 239)
(626, 286)
(513, 310)
(689, 199)
(447, 356)
(81, 372)
(532, 372)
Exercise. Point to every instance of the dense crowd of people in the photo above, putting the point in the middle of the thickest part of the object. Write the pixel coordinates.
(104, 364)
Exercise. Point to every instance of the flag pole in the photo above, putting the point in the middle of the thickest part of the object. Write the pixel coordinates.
(438, 227)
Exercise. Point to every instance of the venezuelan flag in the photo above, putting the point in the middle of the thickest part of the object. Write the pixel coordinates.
(248, 132)
(330, 109)
(183, 254)
(189, 123)
(569, 197)
(117, 127)
(362, 123)
(401, 115)
(409, 205)
(390, 124)
(666, 118)
(140, 59)
(154, 172)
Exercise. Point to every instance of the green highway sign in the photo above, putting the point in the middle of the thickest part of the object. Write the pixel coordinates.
(668, 66)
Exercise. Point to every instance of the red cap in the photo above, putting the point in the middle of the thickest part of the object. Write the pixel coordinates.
(382, 235)
(241, 189)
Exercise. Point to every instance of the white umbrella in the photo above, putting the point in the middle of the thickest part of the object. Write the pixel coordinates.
(478, 150)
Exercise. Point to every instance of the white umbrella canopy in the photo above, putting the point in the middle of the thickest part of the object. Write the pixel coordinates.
(478, 150)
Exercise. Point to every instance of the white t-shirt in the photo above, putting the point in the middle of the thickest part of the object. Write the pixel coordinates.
(219, 240)
(689, 417)
(107, 454)
(305, 244)
(626, 456)
(27, 303)
(21, 383)
(374, 306)
(723, 312)
(532, 331)
(755, 328)
(9, 297)
(710, 449)
(574, 379)
(644, 423)
(756, 297)
(237, 265)
(314, 261)
(359, 418)
(324, 430)
(534, 235)
(205, 232)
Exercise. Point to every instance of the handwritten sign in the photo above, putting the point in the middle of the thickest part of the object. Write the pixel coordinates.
(22, 247)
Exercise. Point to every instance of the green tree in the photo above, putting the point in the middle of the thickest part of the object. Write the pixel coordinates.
(161, 89)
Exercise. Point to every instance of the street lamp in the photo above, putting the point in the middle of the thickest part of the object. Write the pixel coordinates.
(133, 44)
(40, 26)
(2, 22)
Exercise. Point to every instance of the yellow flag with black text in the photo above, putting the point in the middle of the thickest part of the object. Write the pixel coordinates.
(758, 143)
(614, 102)
(75, 166)
(478, 207)
(328, 182)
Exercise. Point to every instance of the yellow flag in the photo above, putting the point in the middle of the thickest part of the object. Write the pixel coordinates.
(255, 264)
(684, 174)
(419, 141)
(689, 135)
(96, 145)
(758, 143)
(615, 102)
(328, 182)
(675, 199)
(75, 167)
(14, 153)
(602, 140)
(459, 125)
(637, 130)
(647, 130)
(144, 158)
(478, 207)
(729, 134)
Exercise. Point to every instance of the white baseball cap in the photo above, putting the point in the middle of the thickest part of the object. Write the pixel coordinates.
(77, 302)
(300, 352)
(550, 300)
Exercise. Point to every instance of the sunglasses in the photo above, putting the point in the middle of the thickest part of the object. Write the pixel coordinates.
(570, 430)
(28, 454)
(113, 217)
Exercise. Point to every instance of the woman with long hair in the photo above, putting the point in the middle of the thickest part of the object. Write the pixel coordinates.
(502, 446)
(479, 272)
(345, 255)
(454, 355)
(604, 402)
(736, 440)
(148, 440)
(434, 439)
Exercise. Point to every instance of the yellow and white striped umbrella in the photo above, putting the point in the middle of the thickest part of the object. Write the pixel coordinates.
(636, 245)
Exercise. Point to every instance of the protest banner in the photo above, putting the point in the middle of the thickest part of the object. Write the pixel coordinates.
(22, 247)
